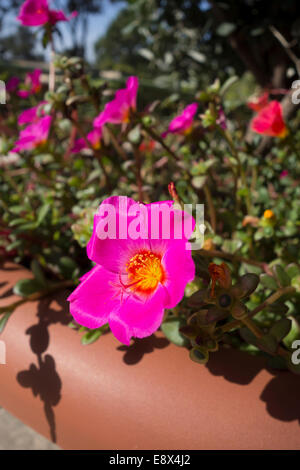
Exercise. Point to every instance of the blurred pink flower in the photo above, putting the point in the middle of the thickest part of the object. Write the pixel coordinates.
(134, 280)
(33, 135)
(221, 120)
(118, 110)
(93, 137)
(269, 121)
(32, 84)
(284, 174)
(12, 84)
(183, 123)
(30, 115)
(38, 13)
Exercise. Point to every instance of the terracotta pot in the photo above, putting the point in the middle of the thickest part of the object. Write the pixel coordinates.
(146, 396)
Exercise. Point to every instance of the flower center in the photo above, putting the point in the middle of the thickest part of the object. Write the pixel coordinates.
(96, 145)
(125, 116)
(145, 272)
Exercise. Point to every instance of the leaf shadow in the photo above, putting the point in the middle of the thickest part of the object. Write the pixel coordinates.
(280, 394)
(42, 377)
(136, 351)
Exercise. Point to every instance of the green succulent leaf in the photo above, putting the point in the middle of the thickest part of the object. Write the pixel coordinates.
(294, 333)
(245, 285)
(292, 270)
(268, 343)
(26, 287)
(91, 336)
(198, 298)
(171, 327)
(38, 273)
(3, 321)
(280, 329)
(283, 278)
(268, 281)
(68, 267)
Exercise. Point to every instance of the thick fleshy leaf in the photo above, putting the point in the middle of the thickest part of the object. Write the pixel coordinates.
(281, 329)
(245, 285)
(283, 278)
(268, 281)
(171, 329)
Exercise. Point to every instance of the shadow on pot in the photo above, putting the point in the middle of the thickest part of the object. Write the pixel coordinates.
(43, 377)
(136, 351)
(281, 394)
(8, 293)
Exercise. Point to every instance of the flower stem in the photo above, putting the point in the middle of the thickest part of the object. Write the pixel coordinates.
(161, 141)
(211, 207)
(233, 258)
(270, 300)
(51, 65)
(241, 171)
(138, 162)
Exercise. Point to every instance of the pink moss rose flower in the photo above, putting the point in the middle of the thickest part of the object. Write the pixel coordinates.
(32, 83)
(31, 115)
(12, 84)
(38, 13)
(135, 278)
(93, 137)
(183, 123)
(269, 121)
(33, 135)
(118, 110)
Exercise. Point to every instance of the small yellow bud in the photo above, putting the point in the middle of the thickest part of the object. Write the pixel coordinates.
(208, 244)
(268, 214)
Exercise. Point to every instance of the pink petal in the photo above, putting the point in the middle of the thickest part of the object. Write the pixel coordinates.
(34, 13)
(138, 318)
(132, 86)
(57, 15)
(23, 93)
(114, 251)
(95, 298)
(172, 225)
(29, 115)
(180, 269)
(182, 122)
(79, 145)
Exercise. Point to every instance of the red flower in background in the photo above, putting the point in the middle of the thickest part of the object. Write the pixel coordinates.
(269, 121)
(147, 146)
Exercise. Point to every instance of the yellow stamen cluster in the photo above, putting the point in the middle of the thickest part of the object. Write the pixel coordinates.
(145, 272)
